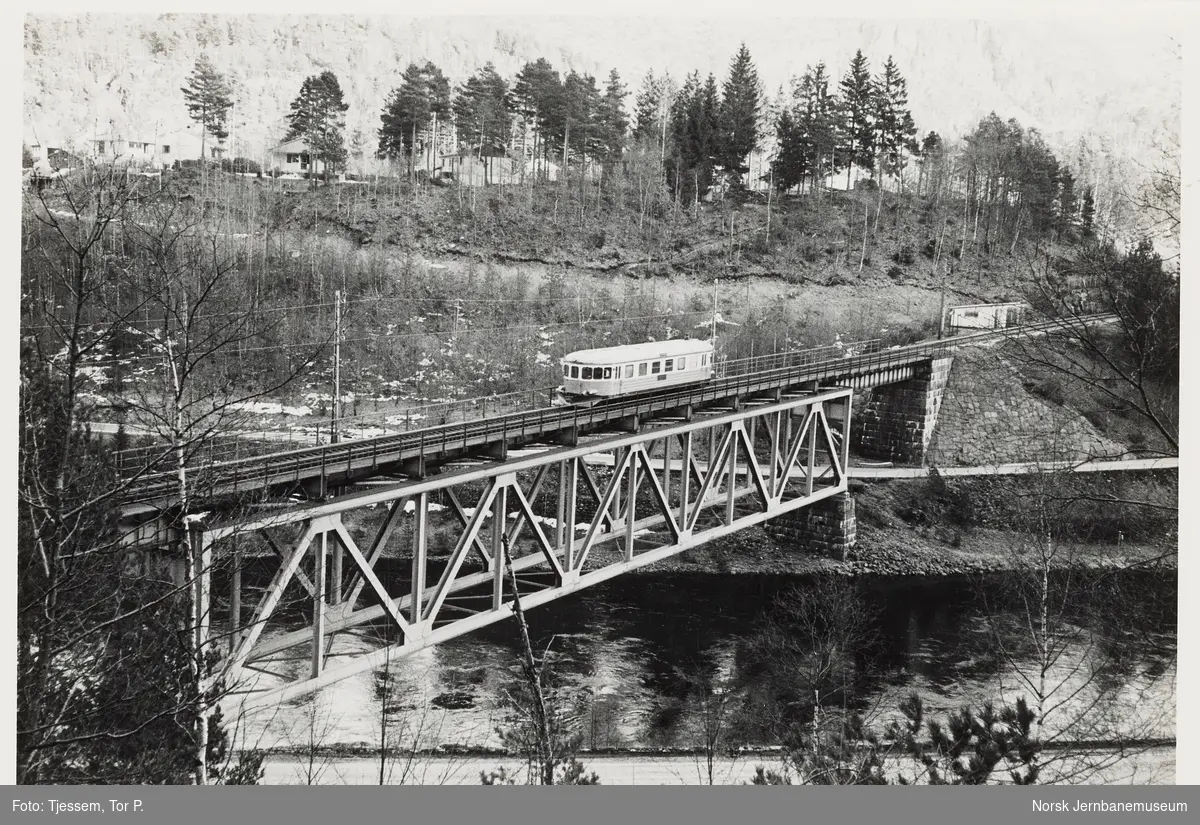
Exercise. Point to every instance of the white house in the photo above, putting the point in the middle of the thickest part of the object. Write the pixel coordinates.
(293, 157)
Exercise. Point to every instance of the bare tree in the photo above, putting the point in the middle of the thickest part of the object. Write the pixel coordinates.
(717, 697)
(1060, 631)
(815, 644)
(99, 694)
(1130, 359)
(538, 728)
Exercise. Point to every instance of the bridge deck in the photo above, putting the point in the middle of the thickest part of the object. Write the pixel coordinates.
(350, 460)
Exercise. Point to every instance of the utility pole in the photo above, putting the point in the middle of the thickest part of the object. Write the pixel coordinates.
(716, 281)
(338, 300)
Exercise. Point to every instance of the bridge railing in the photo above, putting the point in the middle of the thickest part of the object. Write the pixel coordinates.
(251, 442)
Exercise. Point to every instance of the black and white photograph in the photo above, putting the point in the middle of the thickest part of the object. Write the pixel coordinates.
(665, 395)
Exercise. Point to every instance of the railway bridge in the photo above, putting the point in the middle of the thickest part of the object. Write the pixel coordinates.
(481, 508)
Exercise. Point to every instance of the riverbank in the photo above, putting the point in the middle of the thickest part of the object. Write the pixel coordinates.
(1152, 767)
(895, 552)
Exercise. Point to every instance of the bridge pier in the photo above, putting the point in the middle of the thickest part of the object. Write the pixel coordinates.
(895, 422)
(827, 527)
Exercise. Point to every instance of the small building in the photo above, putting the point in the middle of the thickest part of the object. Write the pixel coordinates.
(480, 165)
(292, 157)
(986, 316)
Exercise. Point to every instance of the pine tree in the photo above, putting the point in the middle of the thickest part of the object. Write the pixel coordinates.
(895, 131)
(859, 132)
(423, 95)
(738, 112)
(682, 154)
(1087, 216)
(209, 98)
(817, 116)
(318, 117)
(482, 111)
(537, 97)
(612, 121)
(932, 157)
(581, 106)
(437, 87)
(408, 107)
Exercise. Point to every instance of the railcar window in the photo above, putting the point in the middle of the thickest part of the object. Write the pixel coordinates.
(574, 372)
(629, 370)
(566, 371)
(587, 373)
(670, 365)
(656, 367)
(607, 373)
(680, 363)
(642, 369)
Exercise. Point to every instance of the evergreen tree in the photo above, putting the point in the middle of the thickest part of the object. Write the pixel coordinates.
(859, 132)
(895, 131)
(647, 109)
(208, 97)
(682, 152)
(789, 165)
(537, 96)
(482, 111)
(1087, 216)
(1067, 204)
(612, 122)
(739, 109)
(409, 107)
(581, 108)
(318, 117)
(706, 132)
(932, 159)
(695, 138)
(817, 116)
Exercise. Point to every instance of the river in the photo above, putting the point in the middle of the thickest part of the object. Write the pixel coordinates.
(626, 657)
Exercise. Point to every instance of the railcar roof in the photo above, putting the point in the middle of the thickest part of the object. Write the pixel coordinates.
(639, 352)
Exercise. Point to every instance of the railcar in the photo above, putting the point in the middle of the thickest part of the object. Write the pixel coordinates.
(592, 375)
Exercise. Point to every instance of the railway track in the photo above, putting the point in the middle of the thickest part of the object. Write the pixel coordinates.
(741, 379)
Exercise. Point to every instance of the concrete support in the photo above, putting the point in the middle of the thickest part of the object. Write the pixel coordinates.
(895, 422)
(827, 527)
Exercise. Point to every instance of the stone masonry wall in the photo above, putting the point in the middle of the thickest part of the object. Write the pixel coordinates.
(988, 417)
(827, 528)
(895, 422)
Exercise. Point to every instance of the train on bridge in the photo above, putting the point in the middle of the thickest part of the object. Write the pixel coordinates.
(592, 375)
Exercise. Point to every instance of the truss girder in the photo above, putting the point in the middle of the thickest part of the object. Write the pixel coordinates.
(678, 491)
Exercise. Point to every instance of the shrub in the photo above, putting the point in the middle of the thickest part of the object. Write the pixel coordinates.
(904, 255)
(895, 273)
(241, 166)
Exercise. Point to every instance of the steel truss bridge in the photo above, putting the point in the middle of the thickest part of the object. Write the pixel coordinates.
(691, 464)
(564, 528)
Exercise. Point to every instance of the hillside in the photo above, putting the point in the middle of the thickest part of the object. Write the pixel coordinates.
(1100, 96)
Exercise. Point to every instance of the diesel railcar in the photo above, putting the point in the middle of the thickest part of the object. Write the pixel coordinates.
(592, 375)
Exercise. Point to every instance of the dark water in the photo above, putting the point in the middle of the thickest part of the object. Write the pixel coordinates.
(629, 656)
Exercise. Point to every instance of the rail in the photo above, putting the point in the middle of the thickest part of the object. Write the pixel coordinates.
(740, 377)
